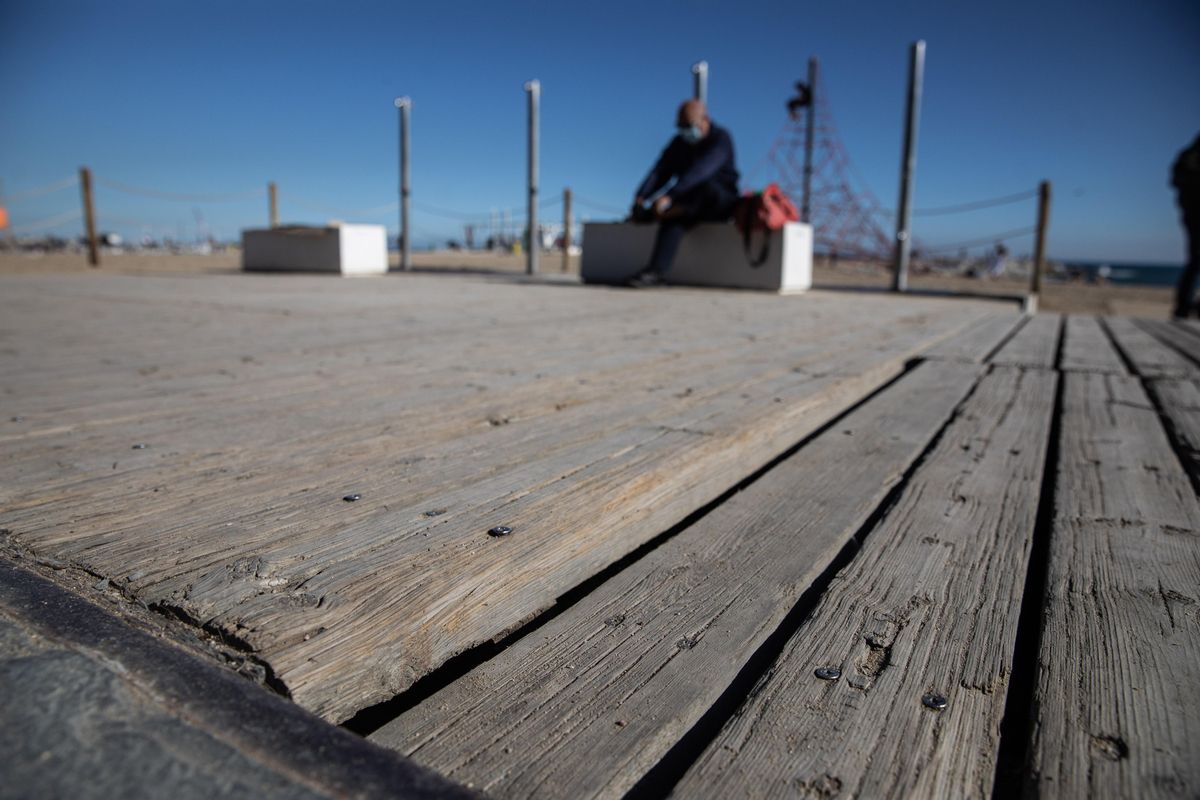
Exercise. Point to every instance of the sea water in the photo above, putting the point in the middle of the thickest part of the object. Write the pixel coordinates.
(1135, 274)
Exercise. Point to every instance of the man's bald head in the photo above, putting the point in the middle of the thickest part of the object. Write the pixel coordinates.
(693, 112)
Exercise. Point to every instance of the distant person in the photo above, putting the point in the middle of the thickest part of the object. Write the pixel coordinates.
(1185, 177)
(700, 160)
(999, 261)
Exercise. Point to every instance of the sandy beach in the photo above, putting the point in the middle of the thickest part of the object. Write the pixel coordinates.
(1075, 297)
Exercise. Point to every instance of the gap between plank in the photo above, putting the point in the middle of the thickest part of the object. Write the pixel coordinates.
(368, 720)
(1021, 323)
(1167, 343)
(1012, 777)
(661, 779)
(1178, 446)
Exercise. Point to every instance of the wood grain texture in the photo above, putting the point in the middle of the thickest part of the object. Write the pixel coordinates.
(1035, 345)
(976, 342)
(930, 604)
(1087, 348)
(587, 704)
(1118, 691)
(1180, 404)
(1177, 336)
(589, 420)
(1150, 357)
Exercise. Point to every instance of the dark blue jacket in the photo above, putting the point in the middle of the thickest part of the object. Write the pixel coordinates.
(711, 158)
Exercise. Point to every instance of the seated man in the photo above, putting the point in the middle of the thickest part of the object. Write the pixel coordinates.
(700, 159)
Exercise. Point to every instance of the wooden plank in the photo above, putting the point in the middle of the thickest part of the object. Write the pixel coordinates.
(1175, 335)
(1087, 348)
(1150, 357)
(1118, 687)
(1180, 404)
(930, 605)
(1035, 345)
(978, 340)
(598, 695)
(443, 403)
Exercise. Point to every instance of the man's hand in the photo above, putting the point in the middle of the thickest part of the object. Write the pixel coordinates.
(661, 205)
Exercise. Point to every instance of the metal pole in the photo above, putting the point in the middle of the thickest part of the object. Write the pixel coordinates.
(908, 167)
(405, 106)
(809, 132)
(89, 215)
(273, 203)
(700, 81)
(1039, 247)
(566, 230)
(534, 89)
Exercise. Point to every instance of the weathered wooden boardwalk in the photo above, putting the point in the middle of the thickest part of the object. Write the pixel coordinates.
(555, 541)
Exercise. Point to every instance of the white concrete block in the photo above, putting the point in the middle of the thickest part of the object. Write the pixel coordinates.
(712, 254)
(345, 249)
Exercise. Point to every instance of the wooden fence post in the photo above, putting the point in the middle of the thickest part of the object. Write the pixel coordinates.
(89, 215)
(1039, 247)
(566, 262)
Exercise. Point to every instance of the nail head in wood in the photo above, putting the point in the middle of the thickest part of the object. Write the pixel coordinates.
(934, 700)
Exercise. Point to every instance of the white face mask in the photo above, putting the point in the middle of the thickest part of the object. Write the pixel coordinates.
(690, 133)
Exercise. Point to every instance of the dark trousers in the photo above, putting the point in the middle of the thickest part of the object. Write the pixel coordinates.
(1185, 291)
(708, 202)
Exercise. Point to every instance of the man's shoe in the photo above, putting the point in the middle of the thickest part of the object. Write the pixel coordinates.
(646, 279)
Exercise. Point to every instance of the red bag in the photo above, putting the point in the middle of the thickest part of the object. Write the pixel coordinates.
(768, 210)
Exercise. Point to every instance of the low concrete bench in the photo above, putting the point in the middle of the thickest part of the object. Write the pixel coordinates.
(712, 254)
(345, 249)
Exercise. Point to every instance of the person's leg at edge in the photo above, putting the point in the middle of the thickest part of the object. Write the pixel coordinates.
(1185, 290)
(666, 243)
(708, 203)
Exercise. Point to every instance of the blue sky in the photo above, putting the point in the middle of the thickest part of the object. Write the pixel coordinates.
(219, 98)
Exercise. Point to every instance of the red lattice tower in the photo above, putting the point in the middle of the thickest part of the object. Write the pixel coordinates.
(844, 211)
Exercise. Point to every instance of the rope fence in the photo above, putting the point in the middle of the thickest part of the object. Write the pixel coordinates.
(179, 197)
(501, 219)
(40, 191)
(1003, 236)
(974, 205)
(48, 222)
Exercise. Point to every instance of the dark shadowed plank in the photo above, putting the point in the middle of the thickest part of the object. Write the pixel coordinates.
(586, 705)
(1118, 687)
(1150, 357)
(1180, 403)
(1177, 336)
(930, 605)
